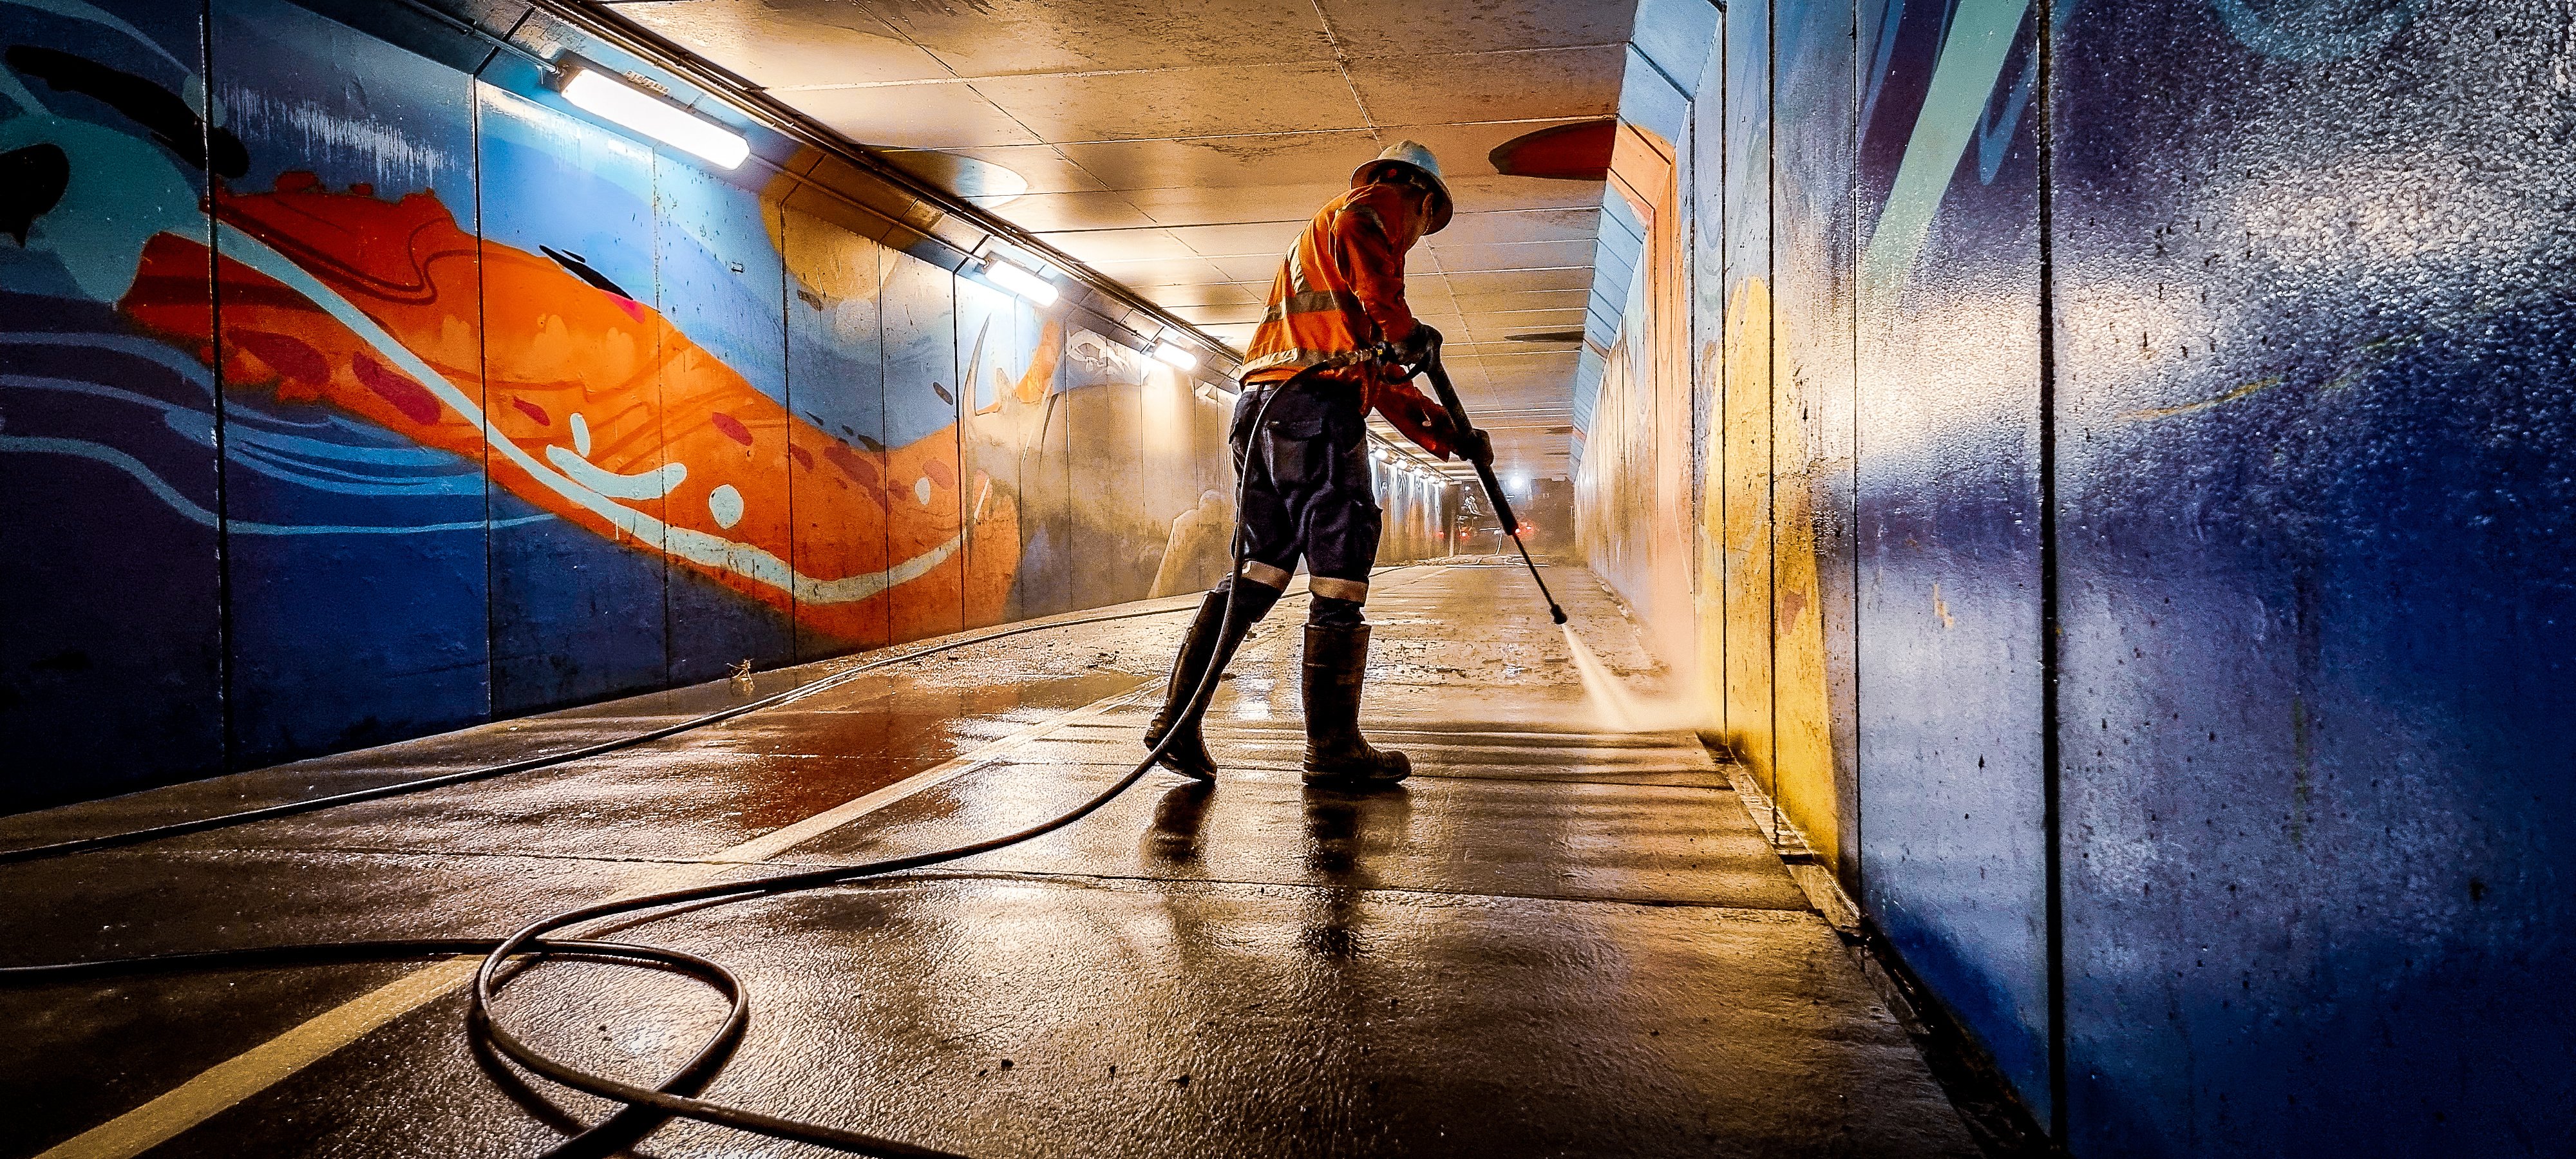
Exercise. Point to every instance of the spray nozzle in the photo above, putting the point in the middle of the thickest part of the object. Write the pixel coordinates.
(1556, 613)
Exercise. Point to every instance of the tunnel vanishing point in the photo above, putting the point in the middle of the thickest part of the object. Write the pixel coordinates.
(588, 577)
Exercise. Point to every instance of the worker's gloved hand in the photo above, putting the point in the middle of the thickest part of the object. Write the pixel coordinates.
(1416, 347)
(1477, 447)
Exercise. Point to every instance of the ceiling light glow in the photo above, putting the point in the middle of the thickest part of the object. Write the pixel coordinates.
(1175, 354)
(1019, 281)
(614, 100)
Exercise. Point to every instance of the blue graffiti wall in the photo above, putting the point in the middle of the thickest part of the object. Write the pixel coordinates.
(367, 389)
(2318, 397)
(2167, 407)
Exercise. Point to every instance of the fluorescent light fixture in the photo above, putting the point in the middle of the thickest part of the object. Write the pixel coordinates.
(1175, 354)
(1019, 281)
(606, 96)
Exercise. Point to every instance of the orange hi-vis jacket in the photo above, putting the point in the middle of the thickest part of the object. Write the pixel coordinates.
(1341, 292)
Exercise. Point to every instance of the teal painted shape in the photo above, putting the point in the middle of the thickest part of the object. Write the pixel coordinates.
(1972, 61)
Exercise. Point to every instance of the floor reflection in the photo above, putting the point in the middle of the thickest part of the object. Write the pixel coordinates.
(1179, 818)
(1345, 829)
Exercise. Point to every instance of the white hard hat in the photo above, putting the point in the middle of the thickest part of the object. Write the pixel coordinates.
(1413, 155)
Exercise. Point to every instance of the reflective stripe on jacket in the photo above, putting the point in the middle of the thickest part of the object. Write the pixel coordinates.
(1337, 295)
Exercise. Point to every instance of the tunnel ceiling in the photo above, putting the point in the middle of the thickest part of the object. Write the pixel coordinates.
(1178, 148)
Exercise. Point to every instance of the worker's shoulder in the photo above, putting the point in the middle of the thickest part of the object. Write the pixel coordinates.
(1379, 199)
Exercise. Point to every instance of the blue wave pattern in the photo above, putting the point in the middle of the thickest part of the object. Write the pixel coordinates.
(147, 410)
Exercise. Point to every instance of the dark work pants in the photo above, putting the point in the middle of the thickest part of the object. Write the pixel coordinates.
(1307, 493)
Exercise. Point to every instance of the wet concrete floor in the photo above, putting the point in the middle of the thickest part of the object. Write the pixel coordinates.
(1552, 941)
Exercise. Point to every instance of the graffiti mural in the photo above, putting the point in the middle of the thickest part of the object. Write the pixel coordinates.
(2287, 374)
(353, 395)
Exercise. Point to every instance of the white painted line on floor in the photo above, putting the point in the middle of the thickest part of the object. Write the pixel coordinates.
(263, 1066)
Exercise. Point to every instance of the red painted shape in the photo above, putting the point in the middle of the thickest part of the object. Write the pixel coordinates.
(803, 458)
(731, 426)
(411, 398)
(939, 472)
(289, 357)
(860, 471)
(1578, 152)
(533, 411)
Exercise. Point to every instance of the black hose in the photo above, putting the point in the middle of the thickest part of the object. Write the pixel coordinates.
(648, 1107)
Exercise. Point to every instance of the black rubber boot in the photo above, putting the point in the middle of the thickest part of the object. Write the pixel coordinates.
(1210, 643)
(1336, 753)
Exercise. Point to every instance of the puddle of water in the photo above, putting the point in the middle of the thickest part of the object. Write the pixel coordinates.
(1619, 709)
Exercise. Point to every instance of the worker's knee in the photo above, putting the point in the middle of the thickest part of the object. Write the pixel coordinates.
(1253, 599)
(1326, 612)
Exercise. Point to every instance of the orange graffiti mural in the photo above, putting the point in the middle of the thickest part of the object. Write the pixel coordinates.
(584, 402)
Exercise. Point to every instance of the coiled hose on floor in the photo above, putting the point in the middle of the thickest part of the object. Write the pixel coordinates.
(646, 1108)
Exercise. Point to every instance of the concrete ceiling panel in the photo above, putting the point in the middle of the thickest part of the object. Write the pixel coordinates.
(1520, 225)
(1461, 259)
(1283, 202)
(1525, 300)
(1509, 281)
(1250, 267)
(1164, 272)
(1269, 239)
(1006, 37)
(1376, 28)
(1225, 162)
(1292, 97)
(1479, 194)
(1218, 294)
(941, 115)
(1044, 168)
(782, 43)
(1497, 327)
(1216, 315)
(1538, 362)
(1119, 245)
(1491, 86)
(1052, 212)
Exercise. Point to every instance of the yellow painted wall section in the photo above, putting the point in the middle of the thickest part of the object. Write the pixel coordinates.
(1708, 593)
(1802, 744)
(1745, 538)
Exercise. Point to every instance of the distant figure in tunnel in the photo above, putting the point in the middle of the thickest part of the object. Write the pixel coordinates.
(1336, 307)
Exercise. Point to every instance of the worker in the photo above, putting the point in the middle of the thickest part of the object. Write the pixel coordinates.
(1319, 364)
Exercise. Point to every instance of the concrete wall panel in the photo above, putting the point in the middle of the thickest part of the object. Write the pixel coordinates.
(836, 386)
(1950, 768)
(1812, 416)
(925, 493)
(577, 613)
(1745, 400)
(112, 653)
(2315, 373)
(995, 350)
(370, 625)
(718, 275)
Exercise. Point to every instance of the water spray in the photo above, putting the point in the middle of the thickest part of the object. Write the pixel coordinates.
(1468, 433)
(1618, 708)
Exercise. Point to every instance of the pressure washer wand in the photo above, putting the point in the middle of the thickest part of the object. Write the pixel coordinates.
(1448, 395)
